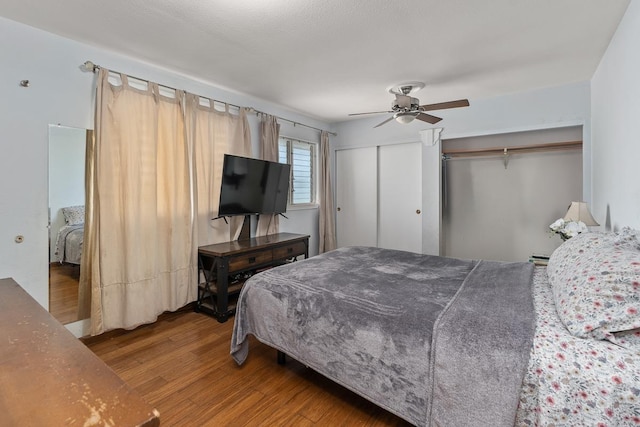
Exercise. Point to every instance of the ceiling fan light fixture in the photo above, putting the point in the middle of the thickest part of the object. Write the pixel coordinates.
(405, 118)
(406, 108)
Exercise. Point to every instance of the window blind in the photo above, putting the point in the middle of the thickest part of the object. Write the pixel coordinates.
(301, 156)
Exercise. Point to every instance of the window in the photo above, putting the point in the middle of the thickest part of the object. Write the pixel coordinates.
(301, 156)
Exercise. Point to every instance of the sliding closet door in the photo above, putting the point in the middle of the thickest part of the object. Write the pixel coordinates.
(356, 197)
(400, 197)
(379, 197)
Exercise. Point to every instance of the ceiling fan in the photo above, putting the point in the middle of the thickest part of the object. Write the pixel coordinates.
(406, 108)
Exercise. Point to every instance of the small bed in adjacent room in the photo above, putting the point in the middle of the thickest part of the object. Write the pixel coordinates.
(70, 236)
(442, 341)
(69, 243)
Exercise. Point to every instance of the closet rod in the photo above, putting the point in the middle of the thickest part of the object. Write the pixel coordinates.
(92, 67)
(501, 151)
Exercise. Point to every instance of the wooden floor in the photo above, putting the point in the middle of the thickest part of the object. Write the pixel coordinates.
(181, 366)
(63, 291)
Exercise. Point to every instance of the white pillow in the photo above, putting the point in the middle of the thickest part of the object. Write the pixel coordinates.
(73, 215)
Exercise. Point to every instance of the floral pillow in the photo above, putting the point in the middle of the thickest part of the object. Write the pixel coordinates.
(628, 237)
(595, 279)
(73, 215)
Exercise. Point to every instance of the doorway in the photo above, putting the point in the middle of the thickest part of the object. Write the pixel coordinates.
(67, 146)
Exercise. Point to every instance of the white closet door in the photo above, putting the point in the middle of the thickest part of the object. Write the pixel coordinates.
(356, 197)
(400, 197)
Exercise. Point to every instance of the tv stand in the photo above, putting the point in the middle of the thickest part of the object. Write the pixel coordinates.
(224, 267)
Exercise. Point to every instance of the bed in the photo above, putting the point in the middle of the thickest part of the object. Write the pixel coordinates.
(440, 341)
(69, 243)
(70, 236)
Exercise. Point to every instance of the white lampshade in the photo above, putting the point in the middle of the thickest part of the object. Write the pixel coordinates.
(405, 118)
(578, 211)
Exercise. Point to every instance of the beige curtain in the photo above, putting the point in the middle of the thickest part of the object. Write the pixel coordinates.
(84, 286)
(327, 229)
(140, 224)
(269, 133)
(213, 134)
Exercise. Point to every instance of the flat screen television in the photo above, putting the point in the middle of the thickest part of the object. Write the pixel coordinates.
(252, 186)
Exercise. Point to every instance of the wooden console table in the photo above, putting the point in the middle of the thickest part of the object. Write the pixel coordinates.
(225, 266)
(49, 378)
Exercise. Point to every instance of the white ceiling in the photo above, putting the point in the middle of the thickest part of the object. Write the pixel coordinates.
(328, 58)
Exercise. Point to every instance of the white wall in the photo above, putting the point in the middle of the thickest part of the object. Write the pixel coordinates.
(567, 105)
(303, 221)
(59, 93)
(615, 105)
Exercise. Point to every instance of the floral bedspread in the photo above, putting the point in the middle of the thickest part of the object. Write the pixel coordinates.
(574, 381)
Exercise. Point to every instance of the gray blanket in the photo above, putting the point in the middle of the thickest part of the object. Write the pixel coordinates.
(69, 243)
(437, 341)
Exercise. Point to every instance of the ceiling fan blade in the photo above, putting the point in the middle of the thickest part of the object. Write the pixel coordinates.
(445, 105)
(386, 121)
(428, 118)
(373, 112)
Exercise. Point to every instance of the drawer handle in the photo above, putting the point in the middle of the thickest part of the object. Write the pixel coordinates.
(289, 250)
(252, 259)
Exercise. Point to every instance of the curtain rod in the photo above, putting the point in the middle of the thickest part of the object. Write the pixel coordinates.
(502, 151)
(92, 67)
(292, 122)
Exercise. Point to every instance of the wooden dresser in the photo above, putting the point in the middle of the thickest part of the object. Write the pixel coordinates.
(49, 378)
(225, 266)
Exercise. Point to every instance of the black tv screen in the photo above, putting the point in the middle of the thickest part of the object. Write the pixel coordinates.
(252, 186)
